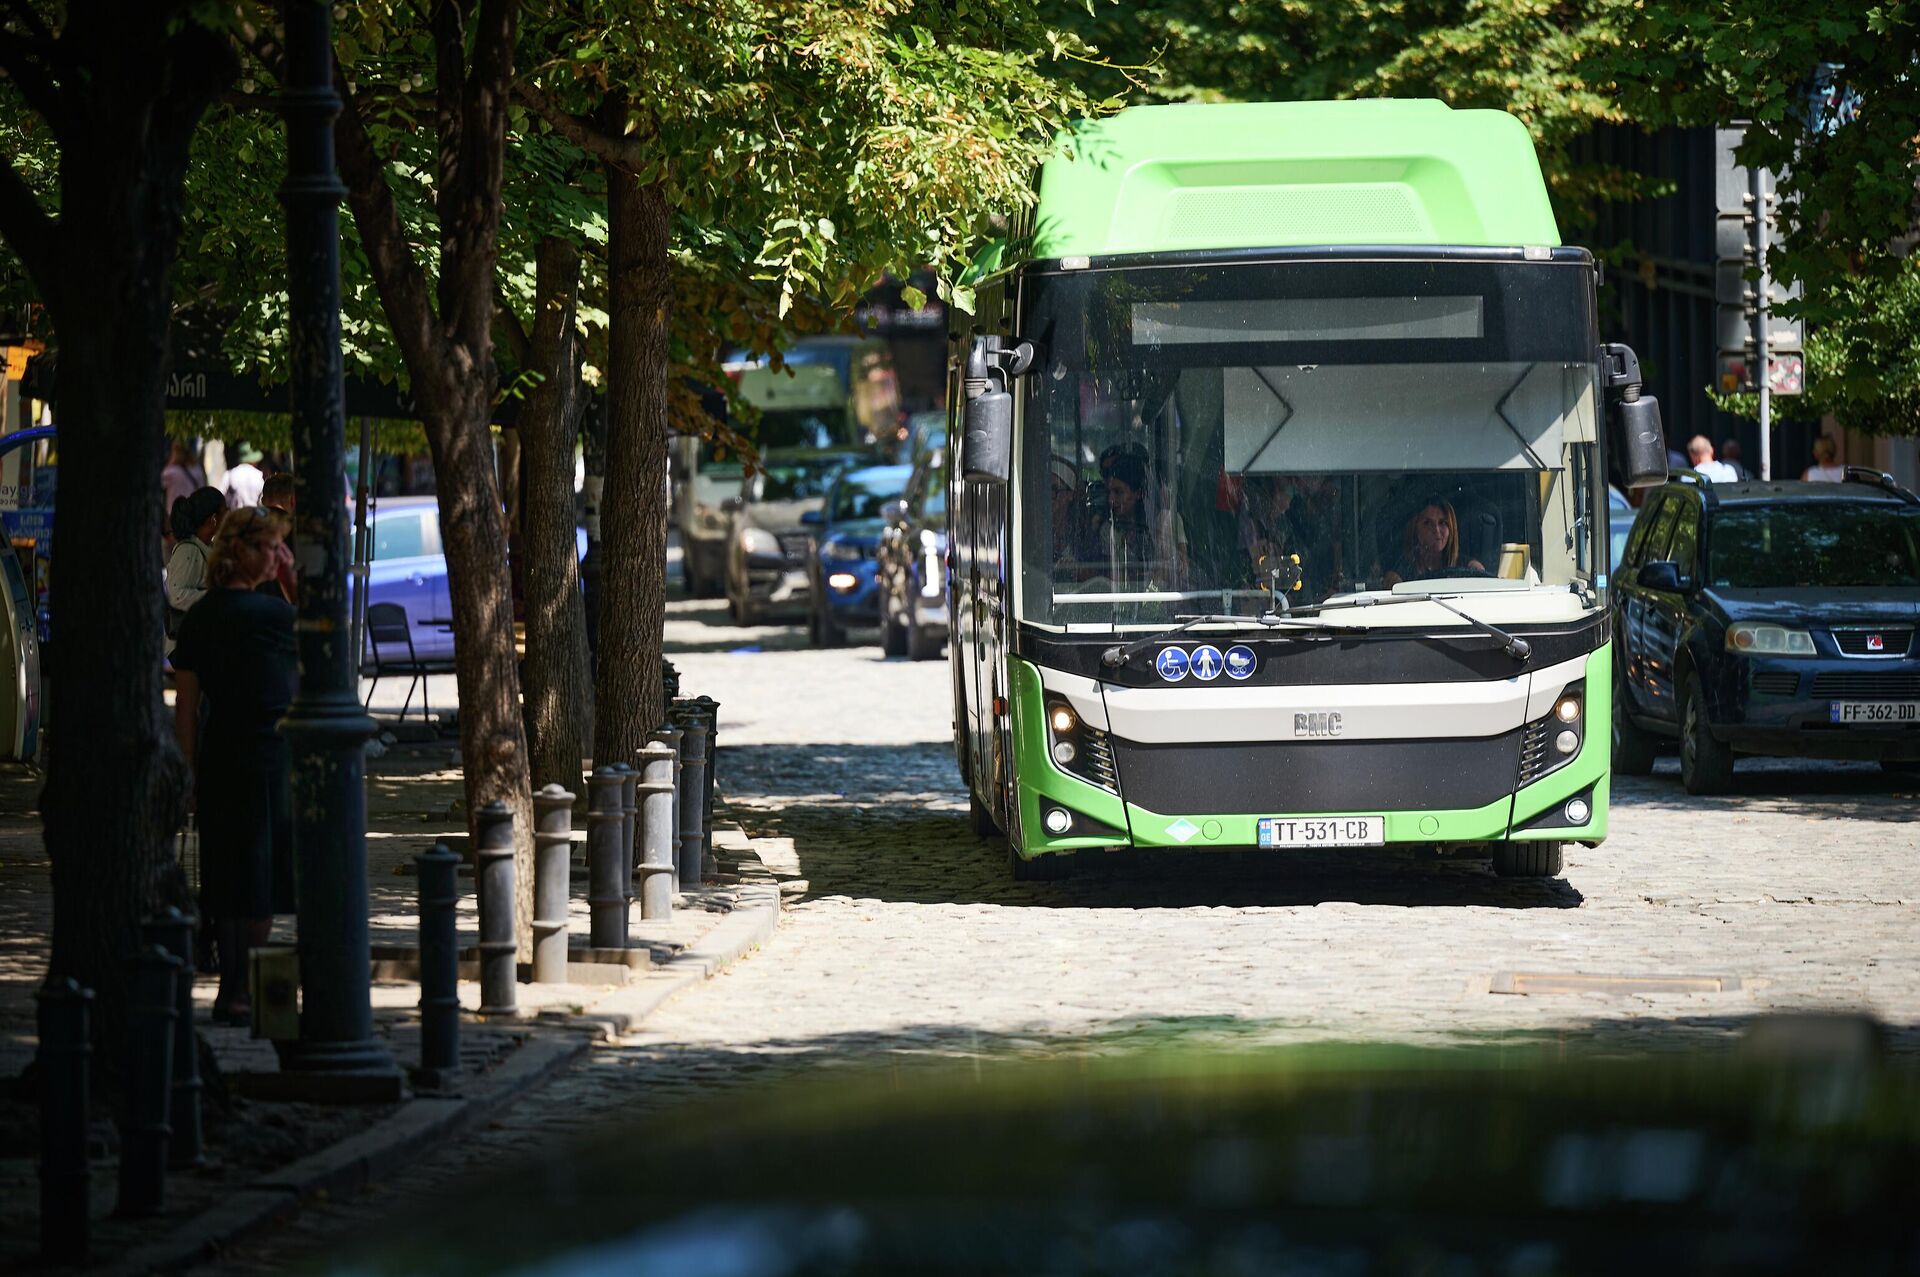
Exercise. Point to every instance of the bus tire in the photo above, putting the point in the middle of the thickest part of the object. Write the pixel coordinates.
(1706, 765)
(1527, 859)
(1048, 868)
(979, 817)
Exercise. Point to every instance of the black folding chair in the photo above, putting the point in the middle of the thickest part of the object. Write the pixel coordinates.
(388, 624)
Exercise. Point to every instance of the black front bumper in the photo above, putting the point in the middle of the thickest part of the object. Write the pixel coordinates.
(1785, 707)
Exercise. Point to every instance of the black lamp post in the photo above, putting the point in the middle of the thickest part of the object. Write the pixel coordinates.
(326, 727)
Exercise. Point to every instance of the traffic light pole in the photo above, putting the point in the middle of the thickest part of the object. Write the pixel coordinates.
(1762, 295)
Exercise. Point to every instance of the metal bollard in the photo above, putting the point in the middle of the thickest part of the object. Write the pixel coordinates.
(670, 737)
(172, 930)
(153, 974)
(607, 881)
(439, 880)
(710, 714)
(494, 883)
(629, 824)
(693, 785)
(552, 848)
(656, 837)
(66, 1177)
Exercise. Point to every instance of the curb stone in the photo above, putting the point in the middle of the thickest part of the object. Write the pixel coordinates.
(746, 927)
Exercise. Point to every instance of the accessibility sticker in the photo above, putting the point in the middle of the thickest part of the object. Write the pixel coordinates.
(1171, 664)
(1207, 662)
(1240, 661)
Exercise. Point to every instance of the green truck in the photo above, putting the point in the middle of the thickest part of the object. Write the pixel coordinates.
(1280, 519)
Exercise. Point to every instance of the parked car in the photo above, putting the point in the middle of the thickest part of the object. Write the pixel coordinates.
(1769, 618)
(842, 592)
(912, 564)
(408, 566)
(768, 545)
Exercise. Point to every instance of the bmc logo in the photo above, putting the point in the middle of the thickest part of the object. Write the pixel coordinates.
(1317, 723)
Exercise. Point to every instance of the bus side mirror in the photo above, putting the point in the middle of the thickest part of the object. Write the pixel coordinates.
(1642, 441)
(1637, 432)
(986, 454)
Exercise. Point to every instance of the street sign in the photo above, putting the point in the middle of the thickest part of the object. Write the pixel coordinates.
(1748, 330)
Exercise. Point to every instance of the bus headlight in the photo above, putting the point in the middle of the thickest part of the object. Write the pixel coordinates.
(1063, 720)
(1752, 638)
(1566, 742)
(1568, 709)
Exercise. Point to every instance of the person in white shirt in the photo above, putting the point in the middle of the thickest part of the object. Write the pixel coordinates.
(1825, 467)
(1700, 454)
(195, 517)
(245, 480)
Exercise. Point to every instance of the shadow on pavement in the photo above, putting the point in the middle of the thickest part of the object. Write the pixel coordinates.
(1796, 787)
(889, 823)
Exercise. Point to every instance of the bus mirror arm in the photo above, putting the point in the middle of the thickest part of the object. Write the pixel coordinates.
(986, 451)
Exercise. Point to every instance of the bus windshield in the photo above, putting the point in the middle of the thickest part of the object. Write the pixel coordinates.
(1215, 439)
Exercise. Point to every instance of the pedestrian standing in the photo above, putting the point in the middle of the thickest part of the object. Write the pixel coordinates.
(1826, 467)
(245, 481)
(194, 518)
(277, 495)
(1700, 458)
(177, 480)
(236, 651)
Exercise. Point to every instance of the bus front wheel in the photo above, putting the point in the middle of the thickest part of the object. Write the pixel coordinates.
(1527, 859)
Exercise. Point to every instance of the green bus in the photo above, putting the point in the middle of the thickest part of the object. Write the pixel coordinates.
(1280, 512)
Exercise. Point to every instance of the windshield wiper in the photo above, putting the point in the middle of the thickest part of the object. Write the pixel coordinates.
(1512, 644)
(1120, 653)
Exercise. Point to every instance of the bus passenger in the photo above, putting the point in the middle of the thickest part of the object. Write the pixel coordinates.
(1430, 544)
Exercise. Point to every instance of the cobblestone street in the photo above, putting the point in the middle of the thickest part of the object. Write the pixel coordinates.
(910, 940)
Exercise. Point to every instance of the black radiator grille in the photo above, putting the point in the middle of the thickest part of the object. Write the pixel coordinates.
(1776, 682)
(1097, 759)
(1869, 685)
(1536, 750)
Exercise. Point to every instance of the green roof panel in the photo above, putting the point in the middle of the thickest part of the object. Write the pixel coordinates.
(1280, 174)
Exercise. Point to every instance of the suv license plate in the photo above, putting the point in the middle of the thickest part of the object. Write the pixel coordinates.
(1875, 711)
(1323, 831)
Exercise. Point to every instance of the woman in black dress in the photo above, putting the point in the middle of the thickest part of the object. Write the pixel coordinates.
(236, 651)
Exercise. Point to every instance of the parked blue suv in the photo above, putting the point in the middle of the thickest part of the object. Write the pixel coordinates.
(1769, 618)
(846, 533)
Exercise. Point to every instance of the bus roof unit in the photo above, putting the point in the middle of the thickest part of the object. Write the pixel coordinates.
(1161, 179)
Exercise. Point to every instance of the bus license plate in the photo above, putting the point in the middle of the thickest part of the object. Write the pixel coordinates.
(1875, 711)
(1323, 831)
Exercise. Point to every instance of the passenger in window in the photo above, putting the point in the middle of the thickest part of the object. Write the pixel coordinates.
(1141, 544)
(1430, 546)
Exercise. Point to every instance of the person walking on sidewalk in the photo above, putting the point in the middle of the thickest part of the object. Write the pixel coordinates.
(236, 651)
(194, 517)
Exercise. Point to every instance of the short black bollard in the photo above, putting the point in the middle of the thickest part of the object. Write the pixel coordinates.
(693, 785)
(66, 1177)
(173, 931)
(607, 880)
(152, 977)
(629, 824)
(710, 713)
(552, 848)
(496, 887)
(670, 737)
(439, 881)
(656, 830)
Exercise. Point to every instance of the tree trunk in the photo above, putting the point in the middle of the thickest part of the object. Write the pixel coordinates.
(556, 683)
(493, 746)
(633, 514)
(116, 784)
